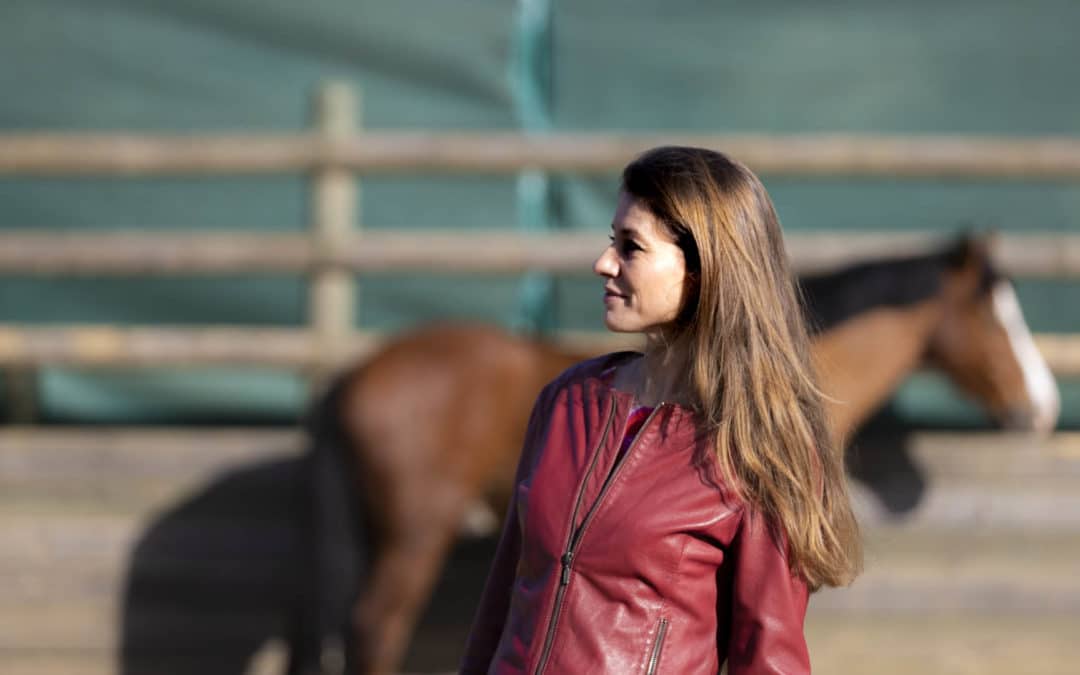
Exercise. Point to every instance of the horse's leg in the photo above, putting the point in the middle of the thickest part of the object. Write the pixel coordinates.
(420, 524)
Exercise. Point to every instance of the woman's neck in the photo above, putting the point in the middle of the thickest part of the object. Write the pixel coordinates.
(661, 375)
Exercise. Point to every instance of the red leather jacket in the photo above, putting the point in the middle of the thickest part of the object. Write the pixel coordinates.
(640, 565)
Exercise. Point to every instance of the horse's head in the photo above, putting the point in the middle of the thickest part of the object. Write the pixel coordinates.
(984, 344)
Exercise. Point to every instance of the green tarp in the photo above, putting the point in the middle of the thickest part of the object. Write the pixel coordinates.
(990, 67)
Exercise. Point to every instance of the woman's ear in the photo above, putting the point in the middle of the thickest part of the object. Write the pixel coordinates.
(691, 294)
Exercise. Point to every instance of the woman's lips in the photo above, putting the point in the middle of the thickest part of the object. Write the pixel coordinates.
(612, 295)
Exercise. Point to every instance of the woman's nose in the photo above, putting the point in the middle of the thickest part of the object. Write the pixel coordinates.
(605, 265)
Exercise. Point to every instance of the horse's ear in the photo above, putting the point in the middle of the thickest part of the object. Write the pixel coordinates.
(962, 250)
(972, 246)
(991, 241)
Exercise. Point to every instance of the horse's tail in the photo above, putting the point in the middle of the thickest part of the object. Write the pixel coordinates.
(332, 545)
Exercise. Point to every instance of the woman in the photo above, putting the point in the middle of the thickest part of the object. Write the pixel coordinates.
(674, 508)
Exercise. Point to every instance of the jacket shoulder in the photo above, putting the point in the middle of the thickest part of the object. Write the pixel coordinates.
(589, 368)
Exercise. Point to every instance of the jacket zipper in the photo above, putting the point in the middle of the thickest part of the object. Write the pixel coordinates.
(564, 577)
(575, 536)
(654, 657)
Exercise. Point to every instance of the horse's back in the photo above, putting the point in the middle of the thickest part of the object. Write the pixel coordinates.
(450, 398)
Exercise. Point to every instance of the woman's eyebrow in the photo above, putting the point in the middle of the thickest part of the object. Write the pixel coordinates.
(626, 231)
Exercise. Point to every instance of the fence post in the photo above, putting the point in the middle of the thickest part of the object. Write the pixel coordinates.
(331, 294)
(334, 209)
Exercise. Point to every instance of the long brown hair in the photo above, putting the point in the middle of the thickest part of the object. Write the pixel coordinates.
(750, 369)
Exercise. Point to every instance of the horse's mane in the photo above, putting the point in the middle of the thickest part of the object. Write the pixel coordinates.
(834, 297)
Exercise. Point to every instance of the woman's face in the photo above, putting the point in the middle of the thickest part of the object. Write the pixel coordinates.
(643, 271)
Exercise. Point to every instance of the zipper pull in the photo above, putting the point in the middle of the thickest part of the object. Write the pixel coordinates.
(567, 558)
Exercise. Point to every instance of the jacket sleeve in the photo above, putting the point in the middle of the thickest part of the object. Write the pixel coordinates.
(768, 605)
(494, 605)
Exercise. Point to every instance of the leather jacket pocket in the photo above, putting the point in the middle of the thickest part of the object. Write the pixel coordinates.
(658, 645)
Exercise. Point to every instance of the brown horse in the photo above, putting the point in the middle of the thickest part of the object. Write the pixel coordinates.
(433, 423)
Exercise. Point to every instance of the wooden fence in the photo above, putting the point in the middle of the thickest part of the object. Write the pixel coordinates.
(335, 248)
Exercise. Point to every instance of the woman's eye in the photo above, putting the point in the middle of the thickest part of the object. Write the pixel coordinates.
(624, 246)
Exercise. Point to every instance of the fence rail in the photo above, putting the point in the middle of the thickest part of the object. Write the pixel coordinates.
(1039, 255)
(294, 348)
(334, 248)
(383, 152)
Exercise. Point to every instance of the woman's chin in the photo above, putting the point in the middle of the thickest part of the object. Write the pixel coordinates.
(616, 326)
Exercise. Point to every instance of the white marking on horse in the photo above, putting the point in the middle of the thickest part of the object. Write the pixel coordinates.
(1041, 388)
(479, 520)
